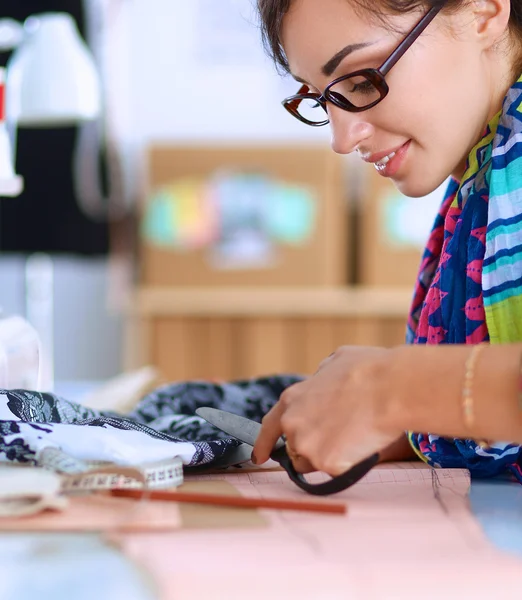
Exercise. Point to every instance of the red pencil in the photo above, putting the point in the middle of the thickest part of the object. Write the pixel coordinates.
(233, 501)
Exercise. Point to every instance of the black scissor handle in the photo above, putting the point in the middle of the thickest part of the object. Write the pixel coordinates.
(334, 485)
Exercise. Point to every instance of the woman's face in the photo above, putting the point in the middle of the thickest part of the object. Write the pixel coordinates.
(443, 91)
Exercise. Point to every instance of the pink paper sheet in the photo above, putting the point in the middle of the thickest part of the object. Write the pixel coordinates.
(408, 533)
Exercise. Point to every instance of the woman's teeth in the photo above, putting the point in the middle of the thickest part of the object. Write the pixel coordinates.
(380, 164)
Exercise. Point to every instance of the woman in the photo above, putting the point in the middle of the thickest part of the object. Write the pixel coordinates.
(423, 90)
(432, 110)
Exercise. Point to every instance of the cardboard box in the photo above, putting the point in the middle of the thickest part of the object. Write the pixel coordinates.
(281, 217)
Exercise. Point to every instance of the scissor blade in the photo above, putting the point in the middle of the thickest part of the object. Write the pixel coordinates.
(241, 428)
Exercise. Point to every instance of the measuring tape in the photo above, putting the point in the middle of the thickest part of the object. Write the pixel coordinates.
(149, 476)
(84, 476)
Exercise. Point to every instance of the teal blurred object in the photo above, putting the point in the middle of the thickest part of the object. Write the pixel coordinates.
(497, 505)
(291, 214)
(66, 566)
(159, 224)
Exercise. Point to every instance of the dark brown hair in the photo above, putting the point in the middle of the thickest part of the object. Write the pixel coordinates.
(272, 13)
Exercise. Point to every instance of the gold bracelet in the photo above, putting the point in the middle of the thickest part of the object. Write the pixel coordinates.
(467, 391)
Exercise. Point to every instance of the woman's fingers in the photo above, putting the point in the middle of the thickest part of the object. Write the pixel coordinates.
(301, 464)
(329, 420)
(270, 432)
(325, 362)
(273, 427)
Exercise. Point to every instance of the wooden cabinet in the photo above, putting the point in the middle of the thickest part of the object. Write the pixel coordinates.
(209, 333)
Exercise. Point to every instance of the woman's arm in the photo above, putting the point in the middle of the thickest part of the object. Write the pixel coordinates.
(361, 400)
(426, 391)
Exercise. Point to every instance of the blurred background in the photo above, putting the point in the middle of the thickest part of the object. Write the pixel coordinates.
(176, 216)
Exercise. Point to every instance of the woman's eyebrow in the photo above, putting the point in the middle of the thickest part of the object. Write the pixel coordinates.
(298, 79)
(329, 68)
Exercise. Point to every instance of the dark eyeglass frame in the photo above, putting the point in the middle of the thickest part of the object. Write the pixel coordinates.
(375, 76)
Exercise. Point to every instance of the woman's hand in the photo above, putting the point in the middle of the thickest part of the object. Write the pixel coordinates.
(337, 417)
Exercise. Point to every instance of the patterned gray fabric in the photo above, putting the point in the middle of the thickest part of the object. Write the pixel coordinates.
(168, 413)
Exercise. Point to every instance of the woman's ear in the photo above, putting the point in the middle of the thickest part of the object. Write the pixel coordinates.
(491, 20)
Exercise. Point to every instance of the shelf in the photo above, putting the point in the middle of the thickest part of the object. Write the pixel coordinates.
(276, 301)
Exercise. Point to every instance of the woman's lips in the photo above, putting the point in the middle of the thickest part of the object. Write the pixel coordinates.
(388, 163)
(391, 167)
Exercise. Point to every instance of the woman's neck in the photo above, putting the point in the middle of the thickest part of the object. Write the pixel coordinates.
(502, 79)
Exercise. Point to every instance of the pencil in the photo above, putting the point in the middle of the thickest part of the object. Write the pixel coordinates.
(233, 501)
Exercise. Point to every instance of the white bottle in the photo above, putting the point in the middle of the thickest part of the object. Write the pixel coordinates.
(10, 183)
(20, 354)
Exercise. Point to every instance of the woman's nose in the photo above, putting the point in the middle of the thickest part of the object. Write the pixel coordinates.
(349, 130)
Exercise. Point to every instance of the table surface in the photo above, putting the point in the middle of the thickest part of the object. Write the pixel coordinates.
(495, 504)
(401, 533)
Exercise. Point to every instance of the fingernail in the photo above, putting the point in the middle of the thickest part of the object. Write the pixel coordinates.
(254, 459)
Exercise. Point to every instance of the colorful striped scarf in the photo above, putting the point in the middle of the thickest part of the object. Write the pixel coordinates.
(469, 288)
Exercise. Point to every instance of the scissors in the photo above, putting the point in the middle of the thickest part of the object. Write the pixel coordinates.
(246, 431)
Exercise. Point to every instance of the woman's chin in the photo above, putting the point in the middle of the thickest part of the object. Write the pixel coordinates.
(417, 187)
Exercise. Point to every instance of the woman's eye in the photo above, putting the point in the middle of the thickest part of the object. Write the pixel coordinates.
(366, 87)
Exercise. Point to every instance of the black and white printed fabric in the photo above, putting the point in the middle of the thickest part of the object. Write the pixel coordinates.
(162, 426)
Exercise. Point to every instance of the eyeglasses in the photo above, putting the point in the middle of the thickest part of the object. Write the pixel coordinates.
(357, 91)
